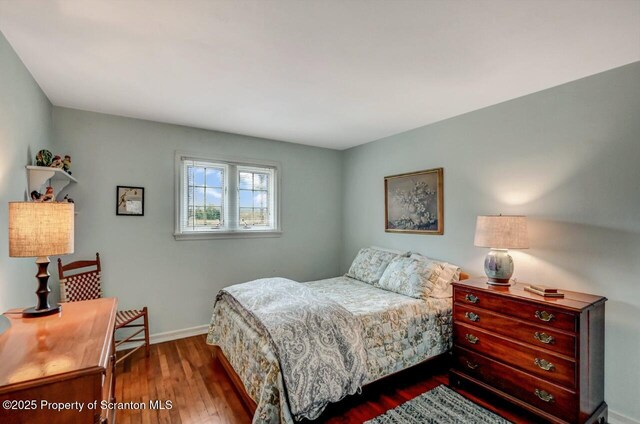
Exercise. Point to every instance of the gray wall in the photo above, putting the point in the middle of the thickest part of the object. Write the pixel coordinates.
(567, 157)
(25, 128)
(177, 280)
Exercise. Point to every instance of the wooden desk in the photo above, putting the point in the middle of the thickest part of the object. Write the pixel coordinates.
(68, 357)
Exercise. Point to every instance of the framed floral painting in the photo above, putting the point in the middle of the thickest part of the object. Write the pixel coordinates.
(414, 202)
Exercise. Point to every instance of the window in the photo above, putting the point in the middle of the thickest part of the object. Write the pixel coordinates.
(218, 198)
(204, 195)
(255, 197)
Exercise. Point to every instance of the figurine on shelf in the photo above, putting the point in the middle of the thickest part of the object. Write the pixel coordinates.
(36, 196)
(43, 158)
(66, 164)
(57, 162)
(67, 199)
(48, 196)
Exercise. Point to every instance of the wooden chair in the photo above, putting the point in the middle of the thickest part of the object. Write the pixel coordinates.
(86, 285)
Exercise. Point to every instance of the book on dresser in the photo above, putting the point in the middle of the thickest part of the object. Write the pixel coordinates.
(52, 365)
(544, 293)
(543, 354)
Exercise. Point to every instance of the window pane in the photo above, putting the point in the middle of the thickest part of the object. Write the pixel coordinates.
(212, 216)
(260, 216)
(246, 181)
(214, 196)
(246, 198)
(200, 216)
(261, 181)
(198, 196)
(260, 199)
(198, 176)
(214, 177)
(246, 216)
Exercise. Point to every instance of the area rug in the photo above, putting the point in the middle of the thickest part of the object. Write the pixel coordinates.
(438, 406)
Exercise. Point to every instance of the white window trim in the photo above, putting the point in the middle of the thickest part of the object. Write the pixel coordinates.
(225, 233)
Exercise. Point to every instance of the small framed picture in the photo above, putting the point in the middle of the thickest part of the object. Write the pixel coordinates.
(130, 201)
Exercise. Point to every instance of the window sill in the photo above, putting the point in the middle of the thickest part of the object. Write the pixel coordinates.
(211, 235)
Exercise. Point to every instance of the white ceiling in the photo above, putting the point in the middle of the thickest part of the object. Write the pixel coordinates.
(327, 73)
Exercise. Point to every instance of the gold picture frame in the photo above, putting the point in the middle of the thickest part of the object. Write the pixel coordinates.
(414, 202)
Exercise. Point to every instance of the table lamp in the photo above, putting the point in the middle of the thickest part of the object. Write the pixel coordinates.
(40, 230)
(500, 233)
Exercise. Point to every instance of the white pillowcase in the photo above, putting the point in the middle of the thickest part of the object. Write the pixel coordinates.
(449, 274)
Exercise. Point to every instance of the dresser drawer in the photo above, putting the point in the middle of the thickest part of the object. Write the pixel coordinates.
(530, 312)
(555, 341)
(534, 391)
(547, 366)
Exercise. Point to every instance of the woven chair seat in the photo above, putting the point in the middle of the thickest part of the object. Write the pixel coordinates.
(125, 317)
(87, 285)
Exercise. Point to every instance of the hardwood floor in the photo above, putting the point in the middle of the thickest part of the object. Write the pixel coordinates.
(185, 373)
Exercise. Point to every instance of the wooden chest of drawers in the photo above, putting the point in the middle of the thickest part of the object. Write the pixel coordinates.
(545, 355)
(65, 359)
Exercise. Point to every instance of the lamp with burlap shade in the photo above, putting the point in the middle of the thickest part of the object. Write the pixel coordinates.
(501, 232)
(40, 230)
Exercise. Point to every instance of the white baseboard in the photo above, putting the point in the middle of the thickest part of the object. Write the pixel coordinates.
(617, 418)
(167, 336)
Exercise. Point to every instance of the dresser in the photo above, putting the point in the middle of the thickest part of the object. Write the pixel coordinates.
(64, 358)
(545, 355)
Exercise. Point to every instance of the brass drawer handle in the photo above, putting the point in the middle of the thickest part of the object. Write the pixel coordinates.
(544, 338)
(472, 365)
(544, 364)
(544, 396)
(544, 316)
(471, 316)
(471, 338)
(471, 298)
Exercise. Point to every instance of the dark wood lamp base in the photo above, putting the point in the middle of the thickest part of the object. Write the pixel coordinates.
(43, 308)
(34, 312)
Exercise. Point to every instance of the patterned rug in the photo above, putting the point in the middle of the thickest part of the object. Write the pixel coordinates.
(438, 406)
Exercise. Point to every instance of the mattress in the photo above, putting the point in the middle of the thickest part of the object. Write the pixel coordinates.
(399, 332)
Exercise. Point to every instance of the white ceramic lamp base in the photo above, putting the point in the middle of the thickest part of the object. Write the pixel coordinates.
(498, 265)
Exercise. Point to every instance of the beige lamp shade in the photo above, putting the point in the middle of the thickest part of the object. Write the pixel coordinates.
(39, 229)
(502, 232)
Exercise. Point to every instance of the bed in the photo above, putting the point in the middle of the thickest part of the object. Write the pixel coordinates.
(398, 332)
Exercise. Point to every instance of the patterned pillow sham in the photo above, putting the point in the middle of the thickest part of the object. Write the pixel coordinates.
(397, 252)
(450, 273)
(411, 277)
(369, 264)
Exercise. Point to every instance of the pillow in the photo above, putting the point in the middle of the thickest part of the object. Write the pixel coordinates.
(397, 252)
(450, 273)
(369, 264)
(411, 277)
